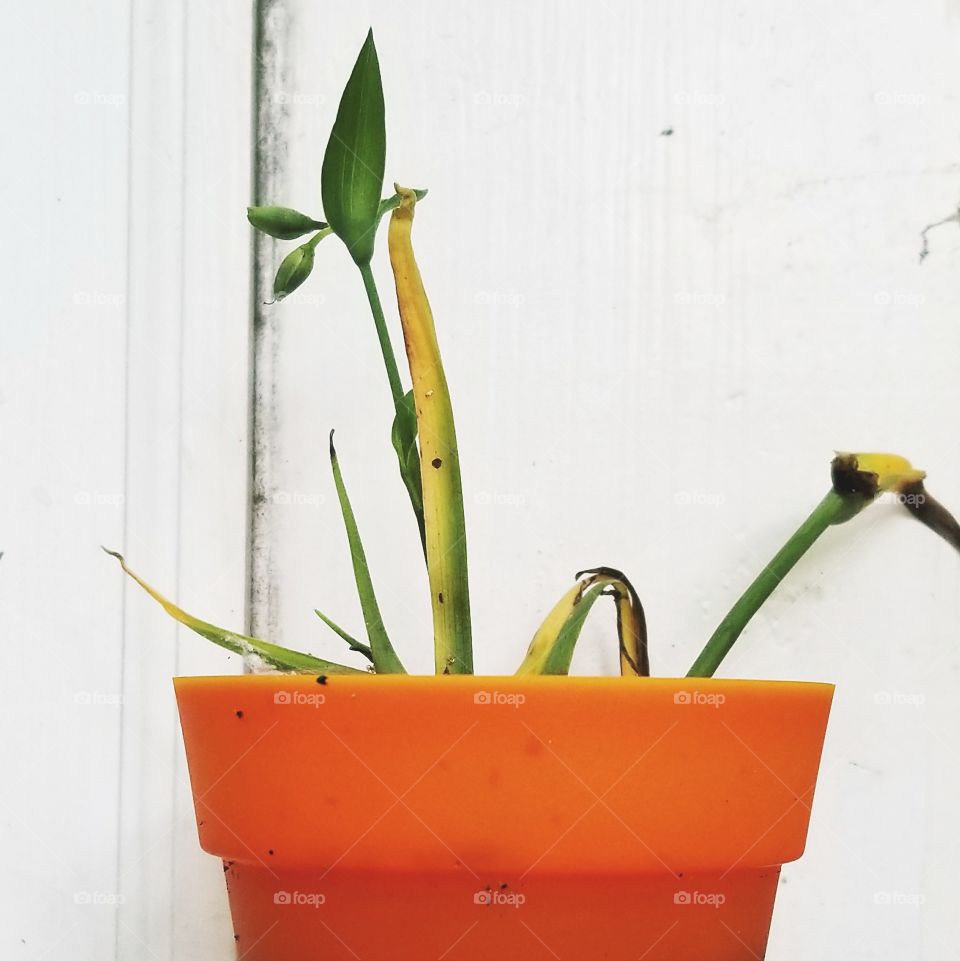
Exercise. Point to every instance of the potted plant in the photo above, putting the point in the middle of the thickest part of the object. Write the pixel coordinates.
(363, 812)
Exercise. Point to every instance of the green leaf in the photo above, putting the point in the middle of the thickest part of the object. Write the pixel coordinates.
(352, 642)
(385, 659)
(404, 439)
(282, 222)
(551, 649)
(277, 657)
(445, 525)
(352, 175)
(560, 656)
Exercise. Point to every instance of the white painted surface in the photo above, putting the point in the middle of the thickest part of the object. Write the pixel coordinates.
(124, 380)
(630, 321)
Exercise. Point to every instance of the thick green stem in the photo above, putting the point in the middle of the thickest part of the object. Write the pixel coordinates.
(833, 509)
(386, 347)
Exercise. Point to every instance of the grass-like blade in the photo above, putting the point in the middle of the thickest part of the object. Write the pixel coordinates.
(551, 650)
(444, 525)
(276, 657)
(560, 654)
(385, 659)
(352, 174)
(350, 640)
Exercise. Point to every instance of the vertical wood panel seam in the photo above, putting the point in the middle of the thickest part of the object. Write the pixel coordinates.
(256, 80)
(268, 50)
(251, 326)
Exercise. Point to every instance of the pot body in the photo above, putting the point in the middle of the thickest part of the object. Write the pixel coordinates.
(393, 818)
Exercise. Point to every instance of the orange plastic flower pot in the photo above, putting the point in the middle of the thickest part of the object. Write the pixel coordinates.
(459, 818)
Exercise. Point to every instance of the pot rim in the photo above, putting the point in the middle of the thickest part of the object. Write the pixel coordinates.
(733, 772)
(426, 681)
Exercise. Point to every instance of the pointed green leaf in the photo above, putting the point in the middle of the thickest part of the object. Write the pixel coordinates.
(385, 658)
(352, 642)
(279, 658)
(283, 223)
(352, 175)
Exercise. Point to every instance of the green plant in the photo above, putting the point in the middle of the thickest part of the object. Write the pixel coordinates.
(424, 438)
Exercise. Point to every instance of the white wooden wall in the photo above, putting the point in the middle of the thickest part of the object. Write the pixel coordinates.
(655, 341)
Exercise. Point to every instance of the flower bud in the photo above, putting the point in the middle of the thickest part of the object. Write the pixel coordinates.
(293, 271)
(282, 222)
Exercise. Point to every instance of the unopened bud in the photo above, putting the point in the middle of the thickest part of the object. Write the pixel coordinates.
(282, 222)
(293, 271)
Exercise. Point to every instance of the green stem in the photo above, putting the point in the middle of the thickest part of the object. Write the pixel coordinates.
(317, 237)
(386, 347)
(405, 442)
(386, 205)
(376, 308)
(833, 509)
